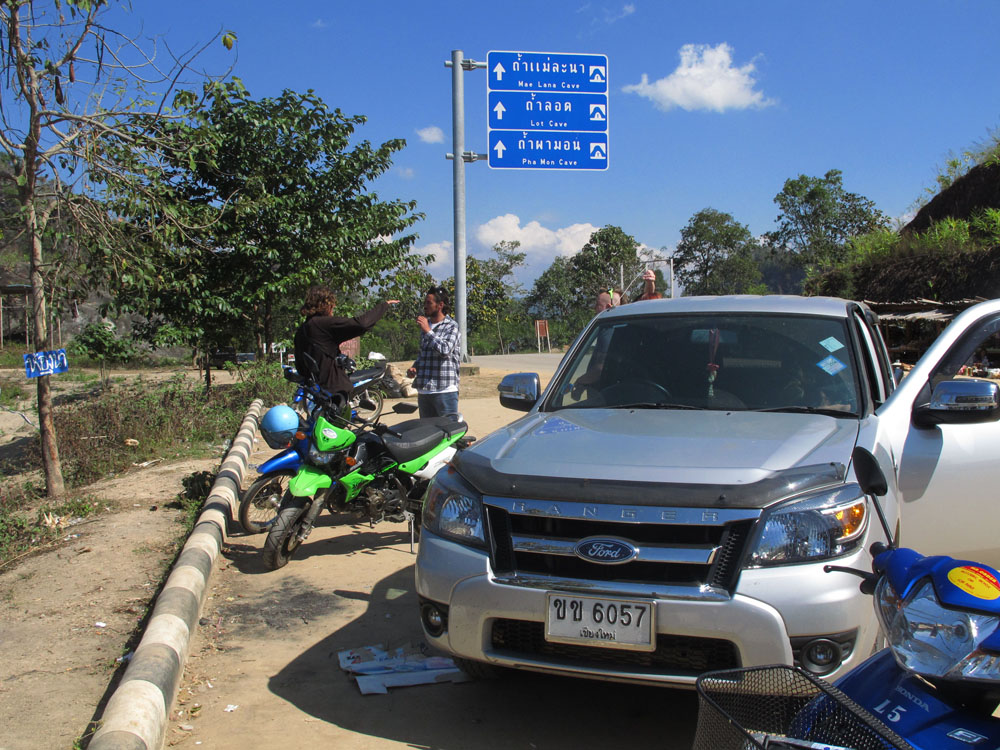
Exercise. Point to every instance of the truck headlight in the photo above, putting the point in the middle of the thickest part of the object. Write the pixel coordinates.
(933, 640)
(453, 509)
(815, 527)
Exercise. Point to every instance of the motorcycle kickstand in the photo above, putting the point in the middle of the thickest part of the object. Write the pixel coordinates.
(410, 517)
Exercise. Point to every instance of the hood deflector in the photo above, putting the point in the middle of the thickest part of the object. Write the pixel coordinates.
(479, 471)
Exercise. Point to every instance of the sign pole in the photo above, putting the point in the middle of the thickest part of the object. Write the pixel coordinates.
(459, 156)
(458, 184)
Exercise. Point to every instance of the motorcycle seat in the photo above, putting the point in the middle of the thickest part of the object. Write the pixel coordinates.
(417, 437)
(360, 376)
(451, 427)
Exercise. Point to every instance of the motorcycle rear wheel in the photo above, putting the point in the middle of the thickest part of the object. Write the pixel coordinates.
(282, 540)
(261, 501)
(375, 396)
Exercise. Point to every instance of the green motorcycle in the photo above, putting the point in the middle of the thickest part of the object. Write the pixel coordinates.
(363, 467)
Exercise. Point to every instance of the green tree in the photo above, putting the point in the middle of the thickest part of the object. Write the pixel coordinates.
(553, 297)
(99, 341)
(71, 80)
(490, 288)
(818, 217)
(715, 255)
(609, 256)
(276, 199)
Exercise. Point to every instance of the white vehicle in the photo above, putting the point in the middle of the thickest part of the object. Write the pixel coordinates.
(667, 505)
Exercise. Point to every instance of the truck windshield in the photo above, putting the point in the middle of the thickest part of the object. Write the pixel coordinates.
(729, 361)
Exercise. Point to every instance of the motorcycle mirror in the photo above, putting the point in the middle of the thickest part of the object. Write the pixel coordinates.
(367, 404)
(868, 472)
(404, 408)
(872, 482)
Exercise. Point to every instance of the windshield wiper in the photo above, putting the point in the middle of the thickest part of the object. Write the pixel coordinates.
(810, 410)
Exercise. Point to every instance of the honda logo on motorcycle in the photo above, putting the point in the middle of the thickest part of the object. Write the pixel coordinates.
(605, 550)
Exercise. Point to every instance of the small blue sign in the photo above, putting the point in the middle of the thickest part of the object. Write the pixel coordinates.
(523, 110)
(45, 363)
(547, 71)
(520, 149)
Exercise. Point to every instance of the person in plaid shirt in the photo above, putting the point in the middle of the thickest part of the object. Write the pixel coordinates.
(435, 373)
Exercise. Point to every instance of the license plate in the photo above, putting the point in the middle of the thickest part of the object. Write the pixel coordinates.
(596, 621)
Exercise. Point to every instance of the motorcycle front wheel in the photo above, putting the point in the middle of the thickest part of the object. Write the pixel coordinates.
(261, 501)
(375, 397)
(283, 538)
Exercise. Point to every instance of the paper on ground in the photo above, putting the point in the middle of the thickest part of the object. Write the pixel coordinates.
(377, 669)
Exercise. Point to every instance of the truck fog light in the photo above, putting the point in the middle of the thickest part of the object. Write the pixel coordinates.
(822, 656)
(434, 620)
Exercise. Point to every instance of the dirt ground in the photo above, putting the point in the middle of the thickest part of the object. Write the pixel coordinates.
(68, 611)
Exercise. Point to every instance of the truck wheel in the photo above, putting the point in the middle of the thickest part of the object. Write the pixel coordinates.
(478, 670)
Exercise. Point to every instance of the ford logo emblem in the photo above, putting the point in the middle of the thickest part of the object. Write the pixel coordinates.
(605, 550)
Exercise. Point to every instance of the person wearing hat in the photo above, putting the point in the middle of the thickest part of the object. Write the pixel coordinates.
(648, 286)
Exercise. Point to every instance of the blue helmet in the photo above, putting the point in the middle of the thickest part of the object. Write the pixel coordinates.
(279, 425)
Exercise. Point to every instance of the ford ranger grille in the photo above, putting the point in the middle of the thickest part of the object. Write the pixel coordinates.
(685, 547)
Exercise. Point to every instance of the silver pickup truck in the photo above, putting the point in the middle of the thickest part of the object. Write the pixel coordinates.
(668, 504)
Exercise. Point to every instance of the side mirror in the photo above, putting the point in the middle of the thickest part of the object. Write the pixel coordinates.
(960, 402)
(404, 408)
(519, 391)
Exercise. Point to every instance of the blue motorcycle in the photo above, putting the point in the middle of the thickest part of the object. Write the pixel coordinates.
(281, 429)
(936, 686)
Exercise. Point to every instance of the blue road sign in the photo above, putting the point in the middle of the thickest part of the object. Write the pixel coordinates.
(524, 149)
(522, 110)
(547, 71)
(547, 110)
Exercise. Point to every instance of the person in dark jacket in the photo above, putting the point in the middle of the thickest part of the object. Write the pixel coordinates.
(322, 333)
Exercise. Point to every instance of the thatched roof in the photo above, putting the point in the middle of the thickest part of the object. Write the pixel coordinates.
(979, 188)
(922, 309)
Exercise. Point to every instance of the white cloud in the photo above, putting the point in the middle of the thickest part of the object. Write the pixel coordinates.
(540, 245)
(443, 264)
(705, 79)
(407, 173)
(627, 10)
(432, 134)
(319, 23)
(538, 242)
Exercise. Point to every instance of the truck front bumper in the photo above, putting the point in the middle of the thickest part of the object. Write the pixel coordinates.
(501, 620)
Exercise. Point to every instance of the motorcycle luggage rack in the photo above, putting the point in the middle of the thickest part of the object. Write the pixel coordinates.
(780, 708)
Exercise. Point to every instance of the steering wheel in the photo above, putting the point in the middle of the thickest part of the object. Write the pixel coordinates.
(634, 389)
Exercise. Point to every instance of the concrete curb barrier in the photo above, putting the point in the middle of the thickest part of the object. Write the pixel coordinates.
(136, 715)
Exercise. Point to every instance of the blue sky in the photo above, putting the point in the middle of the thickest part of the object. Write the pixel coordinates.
(713, 103)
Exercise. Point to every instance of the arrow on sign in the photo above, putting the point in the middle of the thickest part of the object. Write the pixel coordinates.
(499, 109)
(499, 148)
(499, 69)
